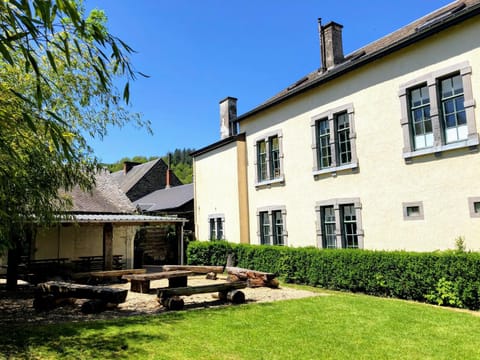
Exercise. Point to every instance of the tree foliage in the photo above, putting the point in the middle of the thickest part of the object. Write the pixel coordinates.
(58, 70)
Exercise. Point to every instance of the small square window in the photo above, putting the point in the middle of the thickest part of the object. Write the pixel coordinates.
(474, 206)
(413, 211)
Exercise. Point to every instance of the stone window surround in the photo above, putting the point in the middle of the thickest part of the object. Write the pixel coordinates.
(336, 203)
(217, 217)
(419, 204)
(471, 206)
(431, 80)
(266, 137)
(269, 210)
(330, 115)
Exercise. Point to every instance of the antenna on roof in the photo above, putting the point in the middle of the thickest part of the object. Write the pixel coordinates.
(321, 38)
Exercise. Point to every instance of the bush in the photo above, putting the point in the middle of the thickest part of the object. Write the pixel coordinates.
(447, 278)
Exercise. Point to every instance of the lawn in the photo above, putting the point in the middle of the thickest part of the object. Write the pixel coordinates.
(337, 326)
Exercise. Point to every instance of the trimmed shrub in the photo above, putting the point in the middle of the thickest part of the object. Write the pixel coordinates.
(448, 278)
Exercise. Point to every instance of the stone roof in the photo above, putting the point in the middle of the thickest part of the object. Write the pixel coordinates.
(106, 197)
(419, 29)
(166, 199)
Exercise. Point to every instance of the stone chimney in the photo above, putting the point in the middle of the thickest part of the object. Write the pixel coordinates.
(331, 45)
(228, 117)
(128, 165)
(167, 173)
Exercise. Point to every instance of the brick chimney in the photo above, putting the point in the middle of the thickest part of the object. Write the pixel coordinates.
(228, 117)
(331, 45)
(167, 173)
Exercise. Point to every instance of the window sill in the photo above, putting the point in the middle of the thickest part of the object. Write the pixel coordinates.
(268, 183)
(334, 170)
(437, 150)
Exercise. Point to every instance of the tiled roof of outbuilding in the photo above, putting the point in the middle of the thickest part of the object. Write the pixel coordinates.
(166, 199)
(106, 197)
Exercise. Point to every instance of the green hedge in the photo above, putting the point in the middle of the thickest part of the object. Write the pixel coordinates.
(450, 278)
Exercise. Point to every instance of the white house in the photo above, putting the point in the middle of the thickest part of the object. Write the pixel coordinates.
(377, 149)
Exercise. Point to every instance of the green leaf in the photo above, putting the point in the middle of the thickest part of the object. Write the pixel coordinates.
(5, 53)
(51, 59)
(29, 121)
(126, 92)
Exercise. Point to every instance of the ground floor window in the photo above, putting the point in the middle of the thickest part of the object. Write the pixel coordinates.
(216, 225)
(339, 224)
(271, 226)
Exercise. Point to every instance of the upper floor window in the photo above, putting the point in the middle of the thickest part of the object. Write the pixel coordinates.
(339, 224)
(269, 159)
(216, 224)
(334, 141)
(438, 112)
(271, 226)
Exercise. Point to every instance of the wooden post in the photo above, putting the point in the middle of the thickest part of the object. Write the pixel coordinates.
(107, 246)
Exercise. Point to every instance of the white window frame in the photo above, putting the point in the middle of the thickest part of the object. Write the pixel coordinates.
(269, 210)
(337, 204)
(270, 179)
(218, 219)
(432, 82)
(331, 115)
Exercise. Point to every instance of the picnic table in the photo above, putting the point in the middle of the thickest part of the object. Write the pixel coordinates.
(141, 282)
(178, 286)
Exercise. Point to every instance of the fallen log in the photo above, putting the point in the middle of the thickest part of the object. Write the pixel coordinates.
(254, 278)
(68, 290)
(196, 269)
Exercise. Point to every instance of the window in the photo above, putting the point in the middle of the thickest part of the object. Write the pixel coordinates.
(339, 224)
(271, 226)
(453, 111)
(413, 211)
(334, 141)
(216, 223)
(269, 159)
(474, 206)
(438, 112)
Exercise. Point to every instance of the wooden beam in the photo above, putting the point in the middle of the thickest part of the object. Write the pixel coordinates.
(197, 269)
(108, 246)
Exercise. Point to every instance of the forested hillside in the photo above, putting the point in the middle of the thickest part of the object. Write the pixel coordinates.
(180, 163)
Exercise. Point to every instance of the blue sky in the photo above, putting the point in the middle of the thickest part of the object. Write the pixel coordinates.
(199, 52)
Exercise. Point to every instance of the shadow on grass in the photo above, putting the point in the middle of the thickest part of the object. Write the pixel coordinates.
(83, 340)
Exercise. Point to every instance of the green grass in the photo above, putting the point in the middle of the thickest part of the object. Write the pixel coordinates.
(338, 326)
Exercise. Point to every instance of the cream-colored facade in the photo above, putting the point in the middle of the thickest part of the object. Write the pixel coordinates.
(400, 198)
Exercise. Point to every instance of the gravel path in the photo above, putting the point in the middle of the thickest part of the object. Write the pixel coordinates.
(18, 307)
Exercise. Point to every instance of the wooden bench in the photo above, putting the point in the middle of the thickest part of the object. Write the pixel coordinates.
(51, 293)
(141, 282)
(169, 297)
(99, 276)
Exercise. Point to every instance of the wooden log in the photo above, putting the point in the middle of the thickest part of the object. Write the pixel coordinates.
(253, 277)
(68, 290)
(93, 306)
(197, 269)
(173, 303)
(211, 276)
(200, 289)
(236, 296)
(108, 273)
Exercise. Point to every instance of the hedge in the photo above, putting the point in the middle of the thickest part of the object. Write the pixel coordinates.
(450, 278)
